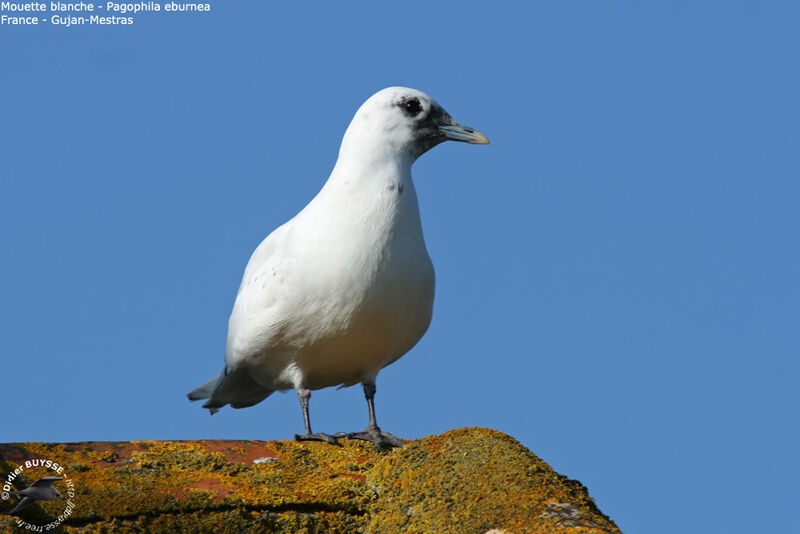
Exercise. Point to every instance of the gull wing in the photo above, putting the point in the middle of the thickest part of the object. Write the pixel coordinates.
(24, 503)
(45, 481)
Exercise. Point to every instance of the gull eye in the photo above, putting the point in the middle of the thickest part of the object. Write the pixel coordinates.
(411, 106)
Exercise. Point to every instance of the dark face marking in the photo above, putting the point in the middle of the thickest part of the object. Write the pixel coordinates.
(425, 123)
(426, 128)
(412, 107)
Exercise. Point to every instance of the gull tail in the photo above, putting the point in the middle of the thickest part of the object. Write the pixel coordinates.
(236, 388)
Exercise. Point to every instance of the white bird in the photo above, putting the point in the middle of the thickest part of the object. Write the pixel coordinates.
(346, 286)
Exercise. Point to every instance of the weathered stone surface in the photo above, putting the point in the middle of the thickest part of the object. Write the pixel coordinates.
(468, 480)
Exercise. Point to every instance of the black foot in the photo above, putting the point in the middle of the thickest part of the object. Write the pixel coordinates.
(381, 440)
(319, 436)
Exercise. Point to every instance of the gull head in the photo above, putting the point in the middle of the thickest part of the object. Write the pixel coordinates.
(405, 123)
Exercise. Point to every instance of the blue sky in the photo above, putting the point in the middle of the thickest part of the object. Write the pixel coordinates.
(617, 273)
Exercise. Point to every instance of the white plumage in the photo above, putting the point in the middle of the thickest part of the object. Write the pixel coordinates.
(346, 286)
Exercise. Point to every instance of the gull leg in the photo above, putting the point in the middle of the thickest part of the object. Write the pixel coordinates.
(373, 433)
(304, 394)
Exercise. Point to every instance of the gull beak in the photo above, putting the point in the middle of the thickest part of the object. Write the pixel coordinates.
(459, 132)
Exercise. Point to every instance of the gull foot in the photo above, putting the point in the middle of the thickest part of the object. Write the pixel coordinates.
(319, 436)
(381, 440)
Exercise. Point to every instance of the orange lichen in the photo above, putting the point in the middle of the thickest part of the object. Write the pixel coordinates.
(467, 480)
(210, 485)
(473, 480)
(241, 451)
